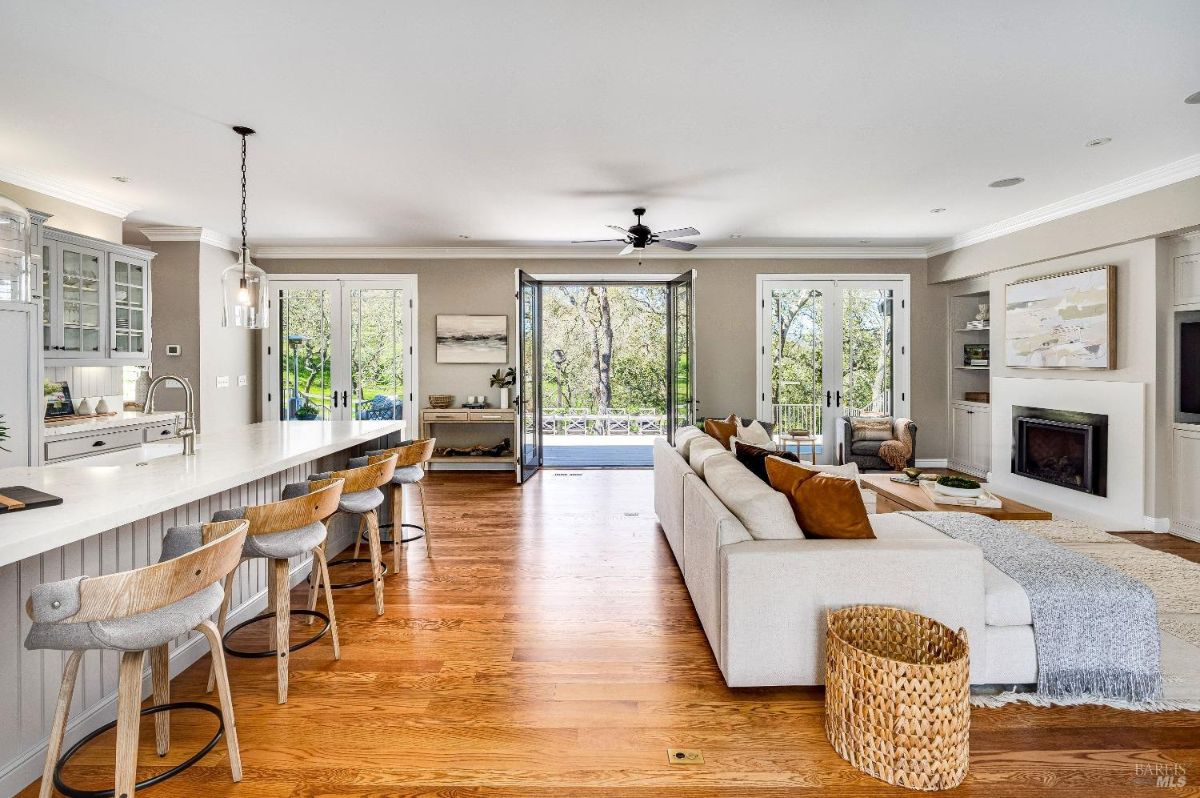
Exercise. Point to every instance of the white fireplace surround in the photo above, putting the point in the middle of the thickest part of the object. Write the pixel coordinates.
(1125, 405)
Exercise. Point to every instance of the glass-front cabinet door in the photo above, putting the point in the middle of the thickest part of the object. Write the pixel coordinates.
(79, 331)
(129, 289)
(46, 297)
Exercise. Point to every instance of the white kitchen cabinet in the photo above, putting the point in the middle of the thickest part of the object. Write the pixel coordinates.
(971, 438)
(95, 299)
(1185, 518)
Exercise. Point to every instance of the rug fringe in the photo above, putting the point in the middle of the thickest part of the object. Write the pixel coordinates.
(1035, 699)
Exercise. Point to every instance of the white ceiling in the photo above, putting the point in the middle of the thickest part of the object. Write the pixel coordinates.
(539, 121)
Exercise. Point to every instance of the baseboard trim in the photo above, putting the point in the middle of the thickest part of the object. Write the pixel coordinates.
(1160, 525)
(934, 462)
(28, 768)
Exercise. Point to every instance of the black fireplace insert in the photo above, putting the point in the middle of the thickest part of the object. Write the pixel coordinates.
(1062, 448)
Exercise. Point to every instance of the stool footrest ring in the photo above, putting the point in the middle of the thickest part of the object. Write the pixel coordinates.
(389, 539)
(236, 652)
(75, 792)
(359, 583)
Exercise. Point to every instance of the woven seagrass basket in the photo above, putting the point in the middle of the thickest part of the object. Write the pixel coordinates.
(896, 696)
(440, 401)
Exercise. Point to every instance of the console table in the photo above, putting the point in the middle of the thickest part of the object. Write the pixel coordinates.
(461, 416)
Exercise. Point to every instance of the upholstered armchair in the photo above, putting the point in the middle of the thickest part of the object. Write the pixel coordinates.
(866, 452)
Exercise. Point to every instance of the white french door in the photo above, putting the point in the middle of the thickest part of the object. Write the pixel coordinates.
(830, 347)
(340, 349)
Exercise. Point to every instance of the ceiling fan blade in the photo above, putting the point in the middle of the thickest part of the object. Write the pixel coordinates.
(620, 230)
(601, 241)
(685, 246)
(628, 248)
(683, 231)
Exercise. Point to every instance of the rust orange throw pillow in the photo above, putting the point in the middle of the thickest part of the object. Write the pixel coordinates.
(825, 506)
(721, 430)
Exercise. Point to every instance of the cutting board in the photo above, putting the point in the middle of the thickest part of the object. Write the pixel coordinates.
(19, 497)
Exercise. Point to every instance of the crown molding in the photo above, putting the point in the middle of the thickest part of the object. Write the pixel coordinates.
(59, 190)
(578, 253)
(203, 235)
(1183, 169)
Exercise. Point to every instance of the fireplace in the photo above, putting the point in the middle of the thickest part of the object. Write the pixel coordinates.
(1061, 447)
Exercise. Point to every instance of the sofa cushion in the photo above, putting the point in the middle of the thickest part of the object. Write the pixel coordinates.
(870, 448)
(825, 506)
(871, 428)
(898, 526)
(754, 458)
(754, 433)
(721, 430)
(846, 471)
(684, 437)
(701, 449)
(1005, 601)
(762, 510)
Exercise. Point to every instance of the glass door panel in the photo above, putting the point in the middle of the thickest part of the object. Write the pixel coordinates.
(796, 353)
(81, 300)
(529, 375)
(868, 357)
(128, 288)
(307, 320)
(378, 352)
(681, 354)
(47, 296)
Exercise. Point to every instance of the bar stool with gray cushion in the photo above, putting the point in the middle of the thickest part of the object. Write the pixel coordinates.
(279, 531)
(361, 496)
(134, 612)
(411, 457)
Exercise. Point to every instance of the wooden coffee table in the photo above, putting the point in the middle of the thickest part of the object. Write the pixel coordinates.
(891, 497)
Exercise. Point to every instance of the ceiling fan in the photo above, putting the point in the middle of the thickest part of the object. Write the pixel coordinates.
(639, 236)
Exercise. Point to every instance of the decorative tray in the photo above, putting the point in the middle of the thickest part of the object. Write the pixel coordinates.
(985, 500)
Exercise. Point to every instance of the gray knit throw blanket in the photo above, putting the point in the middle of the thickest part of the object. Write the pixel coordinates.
(1096, 629)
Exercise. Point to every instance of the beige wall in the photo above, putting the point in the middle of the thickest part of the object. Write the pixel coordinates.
(726, 319)
(67, 216)
(187, 311)
(1154, 213)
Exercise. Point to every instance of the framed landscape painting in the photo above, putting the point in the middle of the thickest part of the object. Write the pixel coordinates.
(1063, 321)
(472, 339)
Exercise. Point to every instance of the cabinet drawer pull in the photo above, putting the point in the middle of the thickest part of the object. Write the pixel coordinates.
(165, 432)
(98, 443)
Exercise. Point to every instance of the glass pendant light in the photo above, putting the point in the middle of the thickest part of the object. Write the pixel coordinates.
(244, 285)
(15, 234)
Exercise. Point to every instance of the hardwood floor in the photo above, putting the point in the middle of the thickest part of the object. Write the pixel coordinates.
(551, 650)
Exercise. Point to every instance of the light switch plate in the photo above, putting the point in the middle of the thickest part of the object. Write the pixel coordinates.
(223, 381)
(242, 380)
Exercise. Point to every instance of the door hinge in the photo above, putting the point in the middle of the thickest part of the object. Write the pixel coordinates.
(764, 397)
(764, 303)
(903, 397)
(764, 350)
(268, 397)
(902, 350)
(902, 305)
(410, 350)
(268, 351)
(410, 304)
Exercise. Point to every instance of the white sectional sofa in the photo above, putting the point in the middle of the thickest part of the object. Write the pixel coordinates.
(762, 590)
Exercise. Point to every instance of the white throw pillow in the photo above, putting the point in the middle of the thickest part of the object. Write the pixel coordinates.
(764, 511)
(684, 437)
(768, 444)
(701, 449)
(847, 471)
(754, 434)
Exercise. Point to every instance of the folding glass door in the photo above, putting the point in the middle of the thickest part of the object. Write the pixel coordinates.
(529, 374)
(681, 352)
(831, 348)
(340, 350)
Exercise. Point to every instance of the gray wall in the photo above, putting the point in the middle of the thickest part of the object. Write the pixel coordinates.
(725, 320)
(175, 281)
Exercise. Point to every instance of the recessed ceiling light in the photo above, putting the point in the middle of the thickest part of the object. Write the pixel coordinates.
(1006, 182)
(122, 179)
(1100, 142)
(463, 237)
(937, 210)
(864, 241)
(735, 235)
(1193, 99)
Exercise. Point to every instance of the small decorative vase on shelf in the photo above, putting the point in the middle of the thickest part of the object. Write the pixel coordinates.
(504, 400)
(142, 388)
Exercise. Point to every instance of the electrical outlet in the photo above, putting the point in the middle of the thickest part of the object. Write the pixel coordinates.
(242, 380)
(685, 756)
(223, 381)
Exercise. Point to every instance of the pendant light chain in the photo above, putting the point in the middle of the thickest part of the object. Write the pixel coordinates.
(244, 252)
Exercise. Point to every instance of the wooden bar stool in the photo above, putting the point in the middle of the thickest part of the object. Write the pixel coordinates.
(279, 531)
(411, 457)
(134, 612)
(361, 496)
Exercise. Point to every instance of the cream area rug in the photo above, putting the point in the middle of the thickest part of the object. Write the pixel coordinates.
(1175, 583)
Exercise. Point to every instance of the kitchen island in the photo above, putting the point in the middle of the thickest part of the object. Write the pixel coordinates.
(115, 510)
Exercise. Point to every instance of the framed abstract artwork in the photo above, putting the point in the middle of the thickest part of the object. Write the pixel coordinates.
(1062, 321)
(472, 339)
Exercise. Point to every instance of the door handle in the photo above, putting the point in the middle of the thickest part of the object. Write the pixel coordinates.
(839, 398)
(335, 398)
(345, 398)
(828, 398)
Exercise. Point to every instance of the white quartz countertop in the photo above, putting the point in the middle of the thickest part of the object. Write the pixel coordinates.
(125, 418)
(101, 497)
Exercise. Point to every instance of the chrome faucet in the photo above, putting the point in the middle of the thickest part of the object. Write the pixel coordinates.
(188, 431)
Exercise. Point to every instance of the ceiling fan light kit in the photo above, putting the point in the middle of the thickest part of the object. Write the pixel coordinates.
(638, 236)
